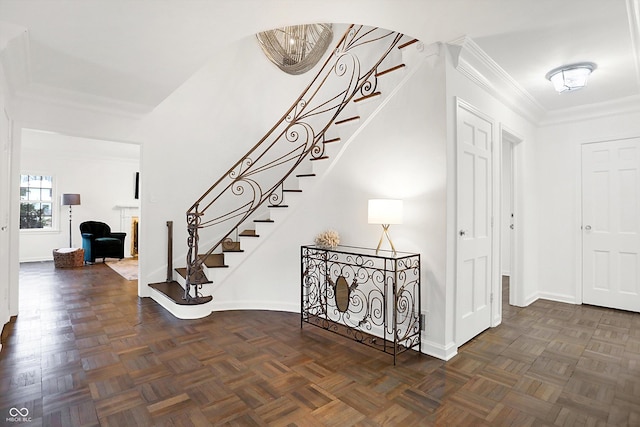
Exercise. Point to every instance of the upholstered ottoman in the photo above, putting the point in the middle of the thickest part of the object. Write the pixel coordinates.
(68, 257)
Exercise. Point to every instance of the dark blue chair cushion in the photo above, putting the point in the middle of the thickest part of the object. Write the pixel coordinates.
(99, 242)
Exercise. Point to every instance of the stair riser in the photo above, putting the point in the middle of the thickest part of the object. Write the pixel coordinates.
(181, 311)
(207, 288)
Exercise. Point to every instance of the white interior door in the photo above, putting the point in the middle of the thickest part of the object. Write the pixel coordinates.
(474, 219)
(611, 224)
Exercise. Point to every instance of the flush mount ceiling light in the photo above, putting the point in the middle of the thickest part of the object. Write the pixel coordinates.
(570, 77)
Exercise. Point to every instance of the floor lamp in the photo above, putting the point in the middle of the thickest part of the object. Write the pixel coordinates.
(385, 212)
(70, 200)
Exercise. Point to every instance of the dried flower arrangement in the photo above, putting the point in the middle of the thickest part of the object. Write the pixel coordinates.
(329, 238)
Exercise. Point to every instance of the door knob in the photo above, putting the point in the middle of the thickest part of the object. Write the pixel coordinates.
(462, 233)
(511, 226)
(587, 227)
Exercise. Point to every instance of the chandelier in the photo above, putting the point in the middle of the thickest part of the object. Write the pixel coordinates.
(296, 49)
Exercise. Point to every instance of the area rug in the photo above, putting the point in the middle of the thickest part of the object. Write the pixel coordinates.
(126, 267)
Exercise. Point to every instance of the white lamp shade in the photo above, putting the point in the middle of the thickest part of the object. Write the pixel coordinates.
(385, 211)
(70, 199)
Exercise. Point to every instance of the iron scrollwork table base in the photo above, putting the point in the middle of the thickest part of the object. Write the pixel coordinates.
(372, 298)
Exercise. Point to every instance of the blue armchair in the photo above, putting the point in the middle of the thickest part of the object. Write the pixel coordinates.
(99, 242)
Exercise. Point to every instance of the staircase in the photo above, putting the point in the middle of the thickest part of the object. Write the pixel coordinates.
(364, 71)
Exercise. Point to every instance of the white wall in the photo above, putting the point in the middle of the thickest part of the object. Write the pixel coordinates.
(559, 207)
(197, 134)
(102, 172)
(400, 154)
(407, 151)
(460, 86)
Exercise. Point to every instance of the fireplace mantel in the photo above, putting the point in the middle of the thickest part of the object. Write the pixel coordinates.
(124, 207)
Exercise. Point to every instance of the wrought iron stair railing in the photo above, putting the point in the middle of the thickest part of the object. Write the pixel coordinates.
(350, 72)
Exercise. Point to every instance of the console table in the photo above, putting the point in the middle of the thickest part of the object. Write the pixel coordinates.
(371, 298)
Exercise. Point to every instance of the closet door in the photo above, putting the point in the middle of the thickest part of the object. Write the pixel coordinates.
(474, 220)
(611, 224)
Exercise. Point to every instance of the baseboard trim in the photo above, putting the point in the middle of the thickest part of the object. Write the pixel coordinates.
(256, 305)
(39, 259)
(569, 299)
(187, 312)
(446, 352)
(528, 300)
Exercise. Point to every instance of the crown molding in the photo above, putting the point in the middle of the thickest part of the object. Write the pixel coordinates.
(15, 59)
(633, 11)
(470, 60)
(617, 107)
(72, 100)
(473, 62)
(14, 56)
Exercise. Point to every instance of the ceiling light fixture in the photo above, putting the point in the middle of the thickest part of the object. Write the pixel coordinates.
(570, 77)
(297, 48)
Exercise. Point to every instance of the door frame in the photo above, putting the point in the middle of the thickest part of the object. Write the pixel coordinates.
(516, 294)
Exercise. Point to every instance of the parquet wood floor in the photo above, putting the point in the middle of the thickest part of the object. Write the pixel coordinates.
(86, 351)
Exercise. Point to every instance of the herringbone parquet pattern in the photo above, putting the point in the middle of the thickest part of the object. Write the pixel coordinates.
(86, 351)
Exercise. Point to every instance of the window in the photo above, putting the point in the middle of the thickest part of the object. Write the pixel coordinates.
(36, 195)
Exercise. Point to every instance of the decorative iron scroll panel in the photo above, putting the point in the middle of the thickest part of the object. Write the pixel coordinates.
(258, 177)
(373, 299)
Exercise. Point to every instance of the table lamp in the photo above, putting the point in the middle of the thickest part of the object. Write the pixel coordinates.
(385, 212)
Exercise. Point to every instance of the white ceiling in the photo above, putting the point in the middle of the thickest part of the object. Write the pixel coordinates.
(134, 53)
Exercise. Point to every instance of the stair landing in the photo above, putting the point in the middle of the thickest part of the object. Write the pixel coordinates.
(175, 292)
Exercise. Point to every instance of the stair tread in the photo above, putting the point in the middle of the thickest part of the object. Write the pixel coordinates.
(409, 43)
(249, 233)
(371, 95)
(349, 119)
(304, 175)
(265, 220)
(292, 191)
(319, 158)
(175, 292)
(397, 67)
(278, 206)
(214, 261)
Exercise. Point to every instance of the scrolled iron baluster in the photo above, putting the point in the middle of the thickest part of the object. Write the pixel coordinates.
(370, 85)
(243, 165)
(318, 149)
(293, 114)
(276, 198)
(193, 224)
